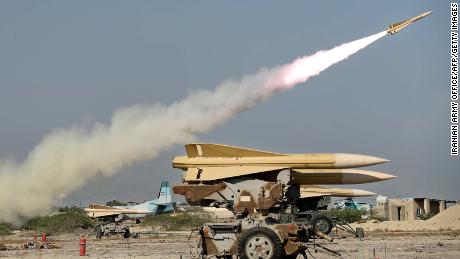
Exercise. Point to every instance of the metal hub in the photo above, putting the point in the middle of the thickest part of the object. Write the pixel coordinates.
(322, 225)
(259, 247)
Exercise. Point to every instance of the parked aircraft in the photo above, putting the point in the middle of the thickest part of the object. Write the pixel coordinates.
(162, 204)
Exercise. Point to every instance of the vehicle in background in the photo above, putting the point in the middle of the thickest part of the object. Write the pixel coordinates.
(350, 203)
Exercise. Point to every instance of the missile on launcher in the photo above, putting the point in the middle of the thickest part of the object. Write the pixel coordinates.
(208, 162)
(308, 191)
(338, 176)
(249, 181)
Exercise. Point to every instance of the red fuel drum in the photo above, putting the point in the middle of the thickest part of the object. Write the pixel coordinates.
(82, 246)
(43, 237)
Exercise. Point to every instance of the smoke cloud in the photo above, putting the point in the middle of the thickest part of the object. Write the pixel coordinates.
(66, 159)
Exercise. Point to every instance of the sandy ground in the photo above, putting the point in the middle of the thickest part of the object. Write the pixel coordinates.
(174, 245)
(444, 221)
(438, 237)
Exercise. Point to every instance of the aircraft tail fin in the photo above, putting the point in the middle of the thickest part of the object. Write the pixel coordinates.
(217, 150)
(164, 196)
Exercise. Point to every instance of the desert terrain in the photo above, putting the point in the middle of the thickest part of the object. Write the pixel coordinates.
(438, 237)
(444, 244)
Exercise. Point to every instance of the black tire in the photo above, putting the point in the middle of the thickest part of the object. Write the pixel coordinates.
(322, 223)
(126, 234)
(264, 235)
(99, 233)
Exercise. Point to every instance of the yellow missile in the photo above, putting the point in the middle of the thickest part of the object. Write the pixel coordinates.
(396, 27)
(202, 155)
(338, 176)
(211, 162)
(307, 191)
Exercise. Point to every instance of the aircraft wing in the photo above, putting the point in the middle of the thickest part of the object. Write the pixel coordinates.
(97, 210)
(99, 206)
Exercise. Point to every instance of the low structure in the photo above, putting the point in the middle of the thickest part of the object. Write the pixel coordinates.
(220, 213)
(408, 208)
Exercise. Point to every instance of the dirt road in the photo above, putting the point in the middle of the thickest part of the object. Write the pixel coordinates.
(174, 245)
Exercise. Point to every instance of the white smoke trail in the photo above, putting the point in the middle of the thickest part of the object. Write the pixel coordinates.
(66, 159)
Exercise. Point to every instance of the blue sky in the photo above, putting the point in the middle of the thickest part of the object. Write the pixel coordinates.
(67, 62)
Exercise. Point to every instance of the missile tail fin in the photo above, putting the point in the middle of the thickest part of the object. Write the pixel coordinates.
(217, 150)
(396, 24)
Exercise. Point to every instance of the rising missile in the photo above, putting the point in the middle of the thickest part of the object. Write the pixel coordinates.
(396, 27)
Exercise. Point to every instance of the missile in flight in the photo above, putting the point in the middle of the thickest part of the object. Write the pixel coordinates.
(396, 27)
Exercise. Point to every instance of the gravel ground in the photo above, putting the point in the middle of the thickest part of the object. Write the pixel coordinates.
(174, 245)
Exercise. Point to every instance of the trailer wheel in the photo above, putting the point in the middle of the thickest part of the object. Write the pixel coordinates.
(126, 233)
(322, 223)
(99, 233)
(260, 242)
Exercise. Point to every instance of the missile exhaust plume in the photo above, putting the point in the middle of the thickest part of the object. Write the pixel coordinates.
(67, 159)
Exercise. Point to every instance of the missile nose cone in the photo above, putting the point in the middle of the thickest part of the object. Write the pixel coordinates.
(423, 15)
(378, 176)
(356, 176)
(362, 193)
(354, 160)
(387, 176)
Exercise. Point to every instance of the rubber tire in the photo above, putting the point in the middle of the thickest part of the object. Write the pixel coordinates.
(99, 233)
(278, 249)
(126, 234)
(322, 217)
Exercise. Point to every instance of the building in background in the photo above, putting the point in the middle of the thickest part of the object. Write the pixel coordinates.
(408, 208)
